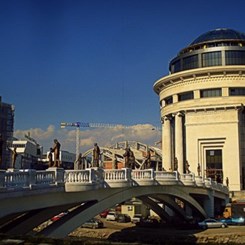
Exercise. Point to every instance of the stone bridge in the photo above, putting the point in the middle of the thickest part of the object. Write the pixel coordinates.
(30, 198)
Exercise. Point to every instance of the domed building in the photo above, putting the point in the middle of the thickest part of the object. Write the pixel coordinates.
(202, 108)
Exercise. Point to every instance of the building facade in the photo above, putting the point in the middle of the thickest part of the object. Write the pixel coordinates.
(6, 132)
(202, 108)
(29, 153)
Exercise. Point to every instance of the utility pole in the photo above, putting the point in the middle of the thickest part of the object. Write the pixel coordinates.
(77, 125)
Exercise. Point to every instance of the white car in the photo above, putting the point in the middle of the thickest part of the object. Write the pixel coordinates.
(111, 216)
(211, 223)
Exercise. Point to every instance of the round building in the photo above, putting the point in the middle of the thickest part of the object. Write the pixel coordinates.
(202, 108)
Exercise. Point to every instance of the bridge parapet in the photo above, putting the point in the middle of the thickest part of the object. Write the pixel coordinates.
(117, 177)
(95, 178)
(167, 178)
(188, 179)
(28, 178)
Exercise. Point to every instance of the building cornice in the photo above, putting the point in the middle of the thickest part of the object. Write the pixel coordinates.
(194, 74)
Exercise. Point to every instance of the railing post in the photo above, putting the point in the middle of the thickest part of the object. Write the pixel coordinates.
(59, 175)
(31, 177)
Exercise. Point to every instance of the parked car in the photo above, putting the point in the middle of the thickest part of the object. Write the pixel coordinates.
(233, 221)
(57, 217)
(211, 223)
(148, 222)
(111, 216)
(93, 224)
(123, 218)
(136, 218)
(104, 213)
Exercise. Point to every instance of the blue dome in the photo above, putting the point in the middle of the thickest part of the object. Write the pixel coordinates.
(219, 34)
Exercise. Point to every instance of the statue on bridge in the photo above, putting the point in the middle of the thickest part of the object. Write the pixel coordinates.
(14, 156)
(148, 159)
(199, 169)
(50, 158)
(129, 158)
(56, 150)
(96, 155)
(176, 164)
(187, 167)
(80, 162)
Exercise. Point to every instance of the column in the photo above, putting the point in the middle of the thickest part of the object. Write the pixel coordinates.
(166, 144)
(179, 142)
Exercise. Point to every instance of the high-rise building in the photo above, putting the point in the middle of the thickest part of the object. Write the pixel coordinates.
(202, 108)
(6, 132)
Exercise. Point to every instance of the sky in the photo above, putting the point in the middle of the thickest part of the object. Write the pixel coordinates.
(96, 61)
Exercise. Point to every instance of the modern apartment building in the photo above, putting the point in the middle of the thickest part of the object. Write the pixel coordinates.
(202, 108)
(6, 132)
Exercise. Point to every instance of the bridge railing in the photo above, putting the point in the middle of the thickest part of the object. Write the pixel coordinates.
(93, 178)
(28, 178)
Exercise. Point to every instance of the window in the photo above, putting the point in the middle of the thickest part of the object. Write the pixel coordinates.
(186, 96)
(235, 57)
(211, 92)
(190, 62)
(169, 100)
(211, 59)
(236, 91)
(175, 67)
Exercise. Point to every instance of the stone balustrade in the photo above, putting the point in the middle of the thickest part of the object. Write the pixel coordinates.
(94, 178)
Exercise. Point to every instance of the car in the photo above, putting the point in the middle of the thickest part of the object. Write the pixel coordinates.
(111, 216)
(57, 217)
(123, 218)
(136, 218)
(148, 222)
(234, 221)
(211, 223)
(93, 224)
(104, 213)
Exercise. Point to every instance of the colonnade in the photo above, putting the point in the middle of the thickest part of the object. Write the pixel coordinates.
(172, 142)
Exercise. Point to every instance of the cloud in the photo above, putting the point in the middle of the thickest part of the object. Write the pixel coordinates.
(143, 133)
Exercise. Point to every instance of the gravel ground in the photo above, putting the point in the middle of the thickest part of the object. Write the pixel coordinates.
(129, 233)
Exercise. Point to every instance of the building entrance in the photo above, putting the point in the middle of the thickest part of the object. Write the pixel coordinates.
(214, 167)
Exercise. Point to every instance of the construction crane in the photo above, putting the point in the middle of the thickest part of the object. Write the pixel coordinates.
(79, 125)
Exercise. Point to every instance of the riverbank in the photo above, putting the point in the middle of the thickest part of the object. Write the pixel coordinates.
(137, 236)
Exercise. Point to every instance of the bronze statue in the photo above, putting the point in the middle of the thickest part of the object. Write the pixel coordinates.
(227, 181)
(96, 155)
(148, 159)
(176, 164)
(50, 158)
(199, 169)
(129, 158)
(187, 170)
(56, 150)
(14, 156)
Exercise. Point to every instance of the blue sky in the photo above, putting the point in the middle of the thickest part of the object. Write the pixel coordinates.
(96, 61)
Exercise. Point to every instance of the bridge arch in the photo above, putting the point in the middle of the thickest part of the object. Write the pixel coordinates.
(109, 199)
